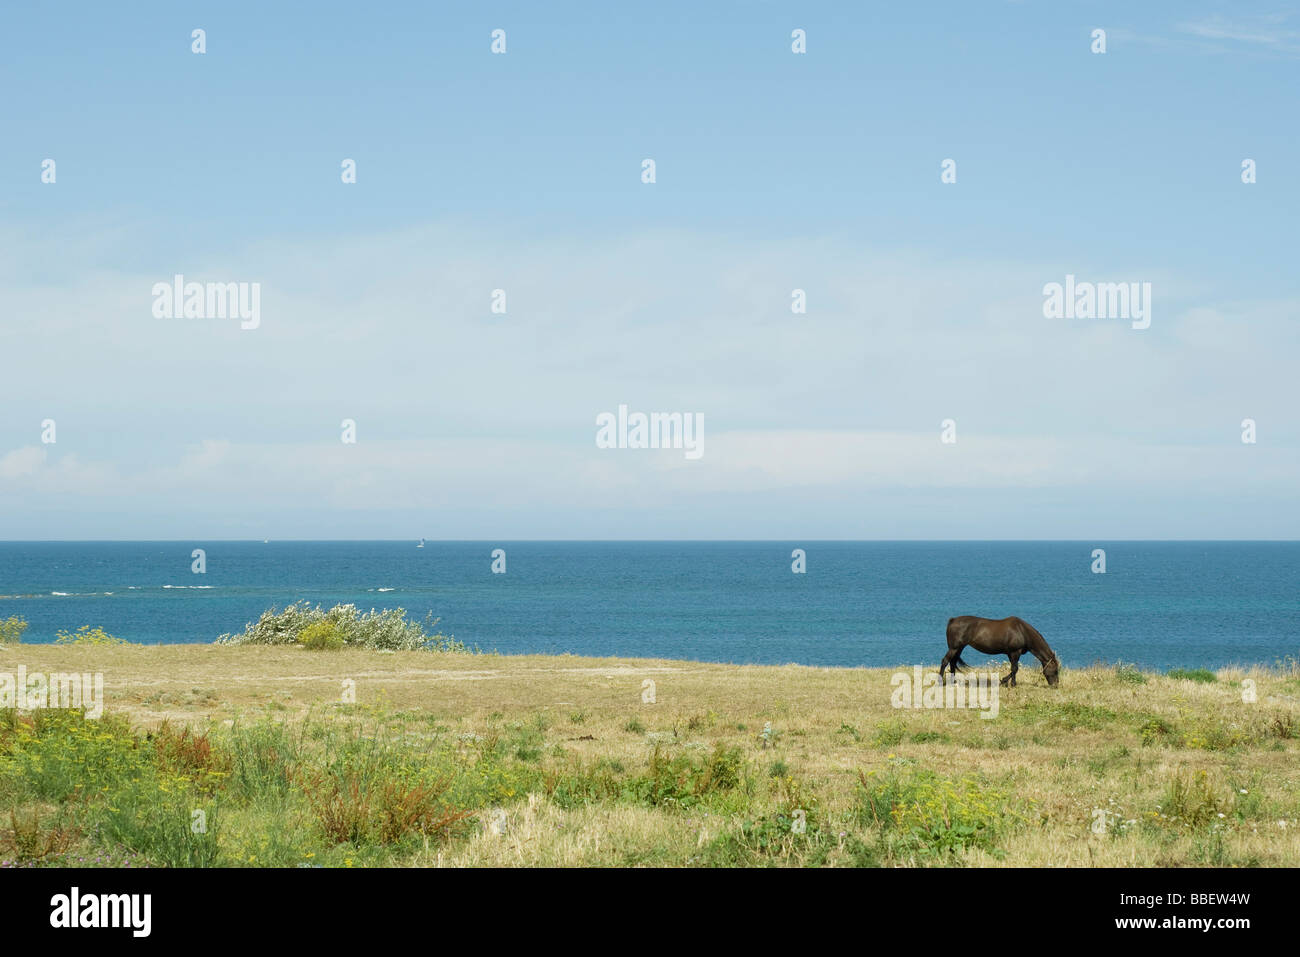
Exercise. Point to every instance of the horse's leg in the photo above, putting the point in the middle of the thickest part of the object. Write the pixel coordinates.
(1015, 666)
(951, 660)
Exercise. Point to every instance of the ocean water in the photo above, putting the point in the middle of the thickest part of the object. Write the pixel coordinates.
(1159, 604)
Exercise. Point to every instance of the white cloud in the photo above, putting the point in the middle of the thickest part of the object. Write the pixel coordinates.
(1266, 31)
(22, 462)
(458, 409)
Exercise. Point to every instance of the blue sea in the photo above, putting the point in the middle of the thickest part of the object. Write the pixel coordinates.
(1158, 604)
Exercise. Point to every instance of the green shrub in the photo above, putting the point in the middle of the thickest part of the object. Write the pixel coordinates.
(889, 734)
(681, 781)
(670, 781)
(1199, 675)
(373, 805)
(386, 630)
(924, 737)
(1064, 714)
(772, 839)
(1283, 725)
(368, 786)
(1129, 674)
(85, 635)
(264, 759)
(11, 630)
(320, 636)
(1156, 729)
(156, 819)
(1192, 801)
(56, 754)
(583, 786)
(927, 813)
(32, 839)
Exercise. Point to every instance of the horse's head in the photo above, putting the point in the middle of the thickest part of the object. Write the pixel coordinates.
(1051, 671)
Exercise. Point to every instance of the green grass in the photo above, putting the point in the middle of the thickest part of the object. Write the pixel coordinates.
(467, 760)
(1201, 675)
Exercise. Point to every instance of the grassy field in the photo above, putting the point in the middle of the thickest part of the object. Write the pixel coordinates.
(212, 755)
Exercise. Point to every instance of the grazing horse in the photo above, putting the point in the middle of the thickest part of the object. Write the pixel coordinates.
(1009, 636)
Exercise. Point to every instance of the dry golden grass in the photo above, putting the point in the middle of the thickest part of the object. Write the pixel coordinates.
(1104, 741)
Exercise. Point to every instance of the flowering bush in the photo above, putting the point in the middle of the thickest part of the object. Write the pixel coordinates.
(931, 813)
(11, 629)
(85, 635)
(386, 630)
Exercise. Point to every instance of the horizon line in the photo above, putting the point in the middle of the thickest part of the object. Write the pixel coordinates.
(637, 541)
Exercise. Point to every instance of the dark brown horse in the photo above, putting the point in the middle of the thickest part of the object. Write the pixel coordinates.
(1008, 636)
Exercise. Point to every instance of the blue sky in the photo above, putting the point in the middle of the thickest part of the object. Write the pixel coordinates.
(775, 171)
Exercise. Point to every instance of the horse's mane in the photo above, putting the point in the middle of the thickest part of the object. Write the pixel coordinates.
(1051, 655)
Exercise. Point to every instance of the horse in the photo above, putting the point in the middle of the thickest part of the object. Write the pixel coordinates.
(1009, 636)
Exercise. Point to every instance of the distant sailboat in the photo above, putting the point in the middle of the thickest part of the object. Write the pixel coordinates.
(421, 545)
